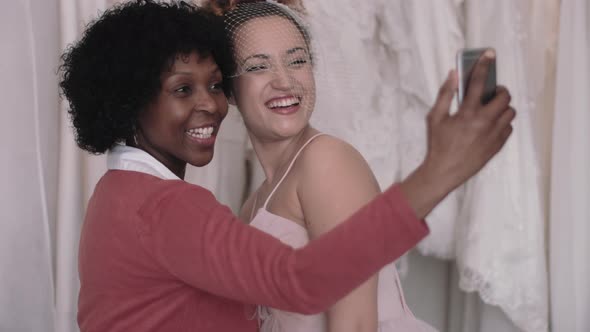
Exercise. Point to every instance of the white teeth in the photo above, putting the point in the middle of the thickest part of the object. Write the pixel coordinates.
(202, 133)
(285, 102)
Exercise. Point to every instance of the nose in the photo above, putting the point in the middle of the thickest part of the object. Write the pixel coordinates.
(282, 79)
(204, 101)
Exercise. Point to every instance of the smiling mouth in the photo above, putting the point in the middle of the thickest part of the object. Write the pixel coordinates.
(202, 132)
(285, 102)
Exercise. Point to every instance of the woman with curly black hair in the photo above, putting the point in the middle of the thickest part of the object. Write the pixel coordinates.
(115, 70)
(159, 254)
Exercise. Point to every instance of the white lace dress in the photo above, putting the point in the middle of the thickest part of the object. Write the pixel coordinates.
(380, 64)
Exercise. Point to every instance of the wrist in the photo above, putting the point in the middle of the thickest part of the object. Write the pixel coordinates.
(425, 188)
(439, 180)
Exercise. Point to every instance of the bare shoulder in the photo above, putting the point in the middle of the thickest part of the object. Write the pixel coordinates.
(329, 158)
(334, 182)
(331, 152)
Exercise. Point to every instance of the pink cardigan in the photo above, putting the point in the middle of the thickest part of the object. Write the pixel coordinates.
(165, 255)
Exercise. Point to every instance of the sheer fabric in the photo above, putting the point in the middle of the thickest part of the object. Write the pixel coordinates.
(385, 70)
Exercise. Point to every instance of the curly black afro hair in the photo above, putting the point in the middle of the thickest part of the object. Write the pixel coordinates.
(113, 72)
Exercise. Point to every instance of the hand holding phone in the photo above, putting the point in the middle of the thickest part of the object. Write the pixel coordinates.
(460, 144)
(466, 60)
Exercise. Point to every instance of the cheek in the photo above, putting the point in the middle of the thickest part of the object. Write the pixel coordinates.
(157, 118)
(249, 112)
(254, 83)
(308, 80)
(239, 89)
(176, 114)
(222, 105)
(248, 93)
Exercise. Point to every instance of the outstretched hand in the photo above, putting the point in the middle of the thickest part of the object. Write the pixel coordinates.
(459, 145)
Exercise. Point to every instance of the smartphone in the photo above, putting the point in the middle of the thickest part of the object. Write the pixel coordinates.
(466, 60)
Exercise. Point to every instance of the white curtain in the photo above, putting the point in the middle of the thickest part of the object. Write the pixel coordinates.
(27, 198)
(78, 173)
(569, 230)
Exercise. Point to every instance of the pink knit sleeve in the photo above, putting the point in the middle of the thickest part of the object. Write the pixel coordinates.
(202, 243)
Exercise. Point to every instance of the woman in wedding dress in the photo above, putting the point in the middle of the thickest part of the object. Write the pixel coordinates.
(304, 169)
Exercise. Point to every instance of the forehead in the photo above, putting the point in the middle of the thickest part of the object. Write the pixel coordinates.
(267, 35)
(182, 62)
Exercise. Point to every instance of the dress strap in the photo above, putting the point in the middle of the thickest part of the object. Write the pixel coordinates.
(289, 168)
(401, 293)
(253, 210)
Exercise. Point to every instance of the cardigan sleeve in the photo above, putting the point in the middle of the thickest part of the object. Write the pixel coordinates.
(202, 243)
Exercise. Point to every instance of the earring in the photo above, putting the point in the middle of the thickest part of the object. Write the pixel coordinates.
(133, 137)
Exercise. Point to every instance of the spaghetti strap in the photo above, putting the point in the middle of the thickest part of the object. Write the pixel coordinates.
(401, 293)
(253, 210)
(289, 168)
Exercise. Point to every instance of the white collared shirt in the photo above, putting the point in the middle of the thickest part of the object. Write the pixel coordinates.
(127, 158)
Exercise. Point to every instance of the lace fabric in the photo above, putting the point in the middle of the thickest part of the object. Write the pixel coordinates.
(515, 224)
(494, 225)
(348, 80)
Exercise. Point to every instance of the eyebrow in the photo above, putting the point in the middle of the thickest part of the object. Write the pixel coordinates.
(186, 73)
(266, 56)
(257, 56)
(295, 49)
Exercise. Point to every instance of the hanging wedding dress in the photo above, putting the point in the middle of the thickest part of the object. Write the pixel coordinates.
(386, 60)
(378, 69)
(354, 91)
(501, 240)
(426, 40)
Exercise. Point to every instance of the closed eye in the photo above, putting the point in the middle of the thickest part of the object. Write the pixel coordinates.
(256, 68)
(298, 62)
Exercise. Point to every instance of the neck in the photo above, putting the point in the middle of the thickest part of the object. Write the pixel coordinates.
(276, 154)
(179, 171)
(176, 166)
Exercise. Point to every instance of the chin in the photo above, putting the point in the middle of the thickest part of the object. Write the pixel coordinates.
(291, 131)
(202, 160)
(288, 126)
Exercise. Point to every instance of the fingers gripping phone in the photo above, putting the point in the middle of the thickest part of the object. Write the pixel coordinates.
(466, 60)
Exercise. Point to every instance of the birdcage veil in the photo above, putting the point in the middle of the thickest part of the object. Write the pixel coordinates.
(281, 23)
(272, 40)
